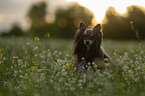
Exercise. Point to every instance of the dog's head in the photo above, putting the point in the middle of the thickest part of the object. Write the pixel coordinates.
(89, 36)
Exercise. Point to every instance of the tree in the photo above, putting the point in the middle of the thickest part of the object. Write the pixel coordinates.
(118, 26)
(16, 31)
(67, 20)
(37, 15)
(137, 16)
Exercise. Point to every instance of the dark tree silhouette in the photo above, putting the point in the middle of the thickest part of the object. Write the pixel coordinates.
(118, 26)
(137, 15)
(67, 20)
(37, 15)
(16, 31)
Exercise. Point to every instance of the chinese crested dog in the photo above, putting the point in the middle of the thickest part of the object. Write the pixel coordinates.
(88, 50)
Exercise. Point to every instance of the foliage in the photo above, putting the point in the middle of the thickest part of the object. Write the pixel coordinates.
(66, 20)
(30, 67)
(115, 25)
(118, 26)
(37, 15)
(14, 31)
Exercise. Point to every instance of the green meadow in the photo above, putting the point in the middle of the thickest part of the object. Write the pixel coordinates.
(44, 67)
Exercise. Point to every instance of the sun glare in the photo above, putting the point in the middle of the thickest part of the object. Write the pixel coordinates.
(99, 7)
(121, 10)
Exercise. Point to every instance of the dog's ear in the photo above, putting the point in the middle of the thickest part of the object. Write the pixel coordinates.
(97, 28)
(79, 33)
(98, 33)
(82, 25)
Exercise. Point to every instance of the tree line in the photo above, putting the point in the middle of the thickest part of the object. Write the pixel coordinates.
(120, 26)
(66, 21)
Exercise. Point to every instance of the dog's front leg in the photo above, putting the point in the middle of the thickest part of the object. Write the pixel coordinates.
(81, 68)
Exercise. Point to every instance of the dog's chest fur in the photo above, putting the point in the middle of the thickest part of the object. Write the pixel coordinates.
(89, 55)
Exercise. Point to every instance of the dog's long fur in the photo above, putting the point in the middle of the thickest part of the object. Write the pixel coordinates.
(92, 52)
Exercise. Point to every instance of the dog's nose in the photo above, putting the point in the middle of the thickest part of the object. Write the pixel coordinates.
(87, 43)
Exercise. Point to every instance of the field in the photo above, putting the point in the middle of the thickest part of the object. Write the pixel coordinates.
(43, 67)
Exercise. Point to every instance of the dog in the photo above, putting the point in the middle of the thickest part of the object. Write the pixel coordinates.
(88, 49)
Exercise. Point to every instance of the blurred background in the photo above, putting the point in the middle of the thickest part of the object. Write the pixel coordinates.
(61, 18)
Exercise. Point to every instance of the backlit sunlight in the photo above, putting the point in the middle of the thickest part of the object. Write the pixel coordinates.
(99, 7)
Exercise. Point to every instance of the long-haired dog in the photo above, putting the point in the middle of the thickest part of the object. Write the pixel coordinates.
(87, 47)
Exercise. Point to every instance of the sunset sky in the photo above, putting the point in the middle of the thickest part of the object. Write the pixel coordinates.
(99, 7)
(14, 11)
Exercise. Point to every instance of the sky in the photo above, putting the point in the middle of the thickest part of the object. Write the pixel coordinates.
(14, 11)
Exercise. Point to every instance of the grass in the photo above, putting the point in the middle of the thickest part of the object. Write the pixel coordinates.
(43, 67)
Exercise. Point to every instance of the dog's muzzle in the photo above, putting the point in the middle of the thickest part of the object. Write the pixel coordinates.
(88, 42)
